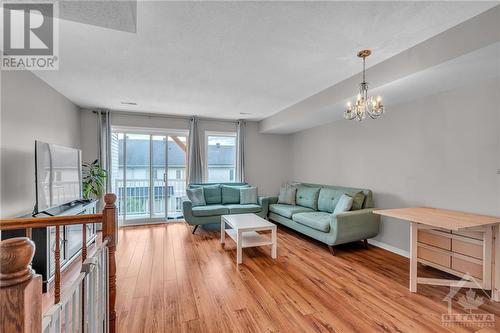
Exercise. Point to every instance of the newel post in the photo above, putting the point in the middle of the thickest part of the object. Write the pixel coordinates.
(20, 287)
(110, 231)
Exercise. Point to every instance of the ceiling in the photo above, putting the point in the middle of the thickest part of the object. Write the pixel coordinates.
(235, 59)
(477, 66)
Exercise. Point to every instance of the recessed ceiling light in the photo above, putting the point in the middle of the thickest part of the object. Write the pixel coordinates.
(245, 113)
(128, 103)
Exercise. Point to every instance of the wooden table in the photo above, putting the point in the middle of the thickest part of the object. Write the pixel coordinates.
(469, 241)
(243, 231)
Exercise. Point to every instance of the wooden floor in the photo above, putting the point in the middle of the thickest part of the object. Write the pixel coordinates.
(169, 280)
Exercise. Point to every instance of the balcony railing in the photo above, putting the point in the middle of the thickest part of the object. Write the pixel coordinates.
(134, 198)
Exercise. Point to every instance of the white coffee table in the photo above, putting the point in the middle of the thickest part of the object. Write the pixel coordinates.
(244, 233)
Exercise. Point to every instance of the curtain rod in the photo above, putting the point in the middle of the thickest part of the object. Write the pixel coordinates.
(158, 115)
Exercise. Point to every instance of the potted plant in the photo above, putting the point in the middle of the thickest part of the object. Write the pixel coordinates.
(94, 180)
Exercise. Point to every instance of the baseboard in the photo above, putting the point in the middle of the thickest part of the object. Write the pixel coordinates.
(389, 248)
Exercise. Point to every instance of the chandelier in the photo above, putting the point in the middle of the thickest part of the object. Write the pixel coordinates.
(364, 105)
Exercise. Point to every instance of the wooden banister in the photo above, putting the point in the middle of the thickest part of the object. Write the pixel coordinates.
(57, 273)
(20, 287)
(110, 232)
(84, 242)
(50, 221)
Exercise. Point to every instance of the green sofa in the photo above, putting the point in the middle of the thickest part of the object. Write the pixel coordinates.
(313, 215)
(221, 202)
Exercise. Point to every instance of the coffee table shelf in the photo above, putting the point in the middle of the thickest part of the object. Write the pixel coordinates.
(243, 231)
(250, 238)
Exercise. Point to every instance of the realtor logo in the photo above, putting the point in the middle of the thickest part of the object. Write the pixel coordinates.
(29, 36)
(471, 314)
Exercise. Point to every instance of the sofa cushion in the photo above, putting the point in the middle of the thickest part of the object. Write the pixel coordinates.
(358, 199)
(287, 194)
(328, 198)
(344, 204)
(288, 210)
(196, 196)
(307, 196)
(230, 194)
(248, 195)
(240, 209)
(315, 220)
(213, 194)
(210, 210)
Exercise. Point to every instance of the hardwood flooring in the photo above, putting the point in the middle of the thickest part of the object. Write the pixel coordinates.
(170, 280)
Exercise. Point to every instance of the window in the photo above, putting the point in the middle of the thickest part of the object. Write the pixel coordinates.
(178, 174)
(221, 157)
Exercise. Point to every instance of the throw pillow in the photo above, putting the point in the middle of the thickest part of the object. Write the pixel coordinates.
(196, 196)
(287, 195)
(344, 204)
(230, 194)
(248, 195)
(358, 199)
(213, 194)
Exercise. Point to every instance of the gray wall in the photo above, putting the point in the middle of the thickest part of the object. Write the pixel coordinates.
(267, 160)
(266, 157)
(31, 110)
(441, 151)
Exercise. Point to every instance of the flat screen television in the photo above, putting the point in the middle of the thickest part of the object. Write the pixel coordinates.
(58, 173)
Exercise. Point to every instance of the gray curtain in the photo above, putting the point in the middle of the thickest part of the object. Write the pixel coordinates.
(240, 152)
(195, 167)
(104, 143)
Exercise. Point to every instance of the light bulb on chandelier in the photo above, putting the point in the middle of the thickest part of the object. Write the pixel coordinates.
(364, 105)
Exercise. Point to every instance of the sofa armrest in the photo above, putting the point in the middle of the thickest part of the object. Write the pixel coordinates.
(264, 202)
(355, 225)
(272, 199)
(187, 210)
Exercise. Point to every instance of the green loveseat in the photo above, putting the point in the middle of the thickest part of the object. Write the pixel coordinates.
(221, 199)
(313, 215)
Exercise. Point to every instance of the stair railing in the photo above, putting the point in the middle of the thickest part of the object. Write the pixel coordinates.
(89, 302)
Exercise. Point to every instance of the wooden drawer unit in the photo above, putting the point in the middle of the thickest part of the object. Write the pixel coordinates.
(434, 256)
(455, 242)
(470, 234)
(457, 254)
(465, 266)
(467, 248)
(435, 238)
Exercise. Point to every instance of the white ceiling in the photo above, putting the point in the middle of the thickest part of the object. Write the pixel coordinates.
(477, 66)
(221, 59)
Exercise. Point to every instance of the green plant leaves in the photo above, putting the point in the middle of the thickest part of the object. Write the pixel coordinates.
(94, 178)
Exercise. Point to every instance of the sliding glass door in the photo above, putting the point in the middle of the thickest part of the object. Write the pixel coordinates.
(148, 175)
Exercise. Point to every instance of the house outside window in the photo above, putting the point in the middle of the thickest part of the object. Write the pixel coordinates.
(221, 157)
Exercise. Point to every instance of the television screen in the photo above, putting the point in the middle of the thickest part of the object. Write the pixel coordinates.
(58, 175)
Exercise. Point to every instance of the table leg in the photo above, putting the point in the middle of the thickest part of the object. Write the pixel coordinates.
(495, 292)
(274, 239)
(487, 252)
(238, 248)
(222, 231)
(413, 256)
